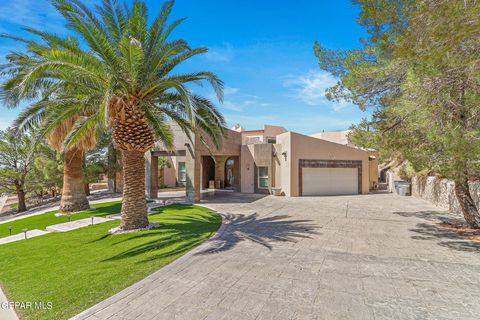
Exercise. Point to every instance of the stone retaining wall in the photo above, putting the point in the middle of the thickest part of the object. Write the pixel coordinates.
(441, 192)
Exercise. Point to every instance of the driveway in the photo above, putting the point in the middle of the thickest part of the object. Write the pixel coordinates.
(376, 256)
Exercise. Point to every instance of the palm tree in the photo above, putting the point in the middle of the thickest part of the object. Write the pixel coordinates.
(74, 197)
(122, 76)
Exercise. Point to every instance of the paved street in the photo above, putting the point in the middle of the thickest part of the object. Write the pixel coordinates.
(375, 256)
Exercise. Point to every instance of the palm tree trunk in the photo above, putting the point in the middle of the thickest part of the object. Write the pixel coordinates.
(73, 195)
(134, 203)
(467, 205)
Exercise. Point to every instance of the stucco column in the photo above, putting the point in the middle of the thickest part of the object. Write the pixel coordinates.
(151, 175)
(192, 166)
(220, 169)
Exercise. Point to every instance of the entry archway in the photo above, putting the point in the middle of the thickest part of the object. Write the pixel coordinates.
(232, 176)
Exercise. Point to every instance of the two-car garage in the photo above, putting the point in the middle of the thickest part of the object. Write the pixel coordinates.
(329, 181)
(307, 166)
(330, 177)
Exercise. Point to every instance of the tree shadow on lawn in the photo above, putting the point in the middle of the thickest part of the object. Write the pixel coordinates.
(105, 209)
(262, 231)
(169, 239)
(439, 227)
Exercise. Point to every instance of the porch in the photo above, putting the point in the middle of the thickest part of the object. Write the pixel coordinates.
(194, 174)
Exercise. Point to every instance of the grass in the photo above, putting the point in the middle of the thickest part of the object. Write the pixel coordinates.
(77, 269)
(48, 219)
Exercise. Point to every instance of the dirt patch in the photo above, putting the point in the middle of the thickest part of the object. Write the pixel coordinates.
(462, 230)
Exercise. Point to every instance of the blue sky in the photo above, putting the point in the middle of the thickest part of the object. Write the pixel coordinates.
(263, 50)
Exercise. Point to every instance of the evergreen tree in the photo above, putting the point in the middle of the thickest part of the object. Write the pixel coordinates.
(419, 69)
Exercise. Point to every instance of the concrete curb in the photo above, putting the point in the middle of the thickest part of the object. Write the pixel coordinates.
(125, 293)
(6, 313)
(48, 208)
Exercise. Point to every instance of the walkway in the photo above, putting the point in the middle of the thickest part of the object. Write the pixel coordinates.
(353, 257)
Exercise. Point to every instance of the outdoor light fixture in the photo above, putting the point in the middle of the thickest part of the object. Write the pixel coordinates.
(10, 229)
(92, 220)
(25, 232)
(248, 166)
(284, 153)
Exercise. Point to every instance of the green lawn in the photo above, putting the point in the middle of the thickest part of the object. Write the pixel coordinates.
(48, 219)
(75, 270)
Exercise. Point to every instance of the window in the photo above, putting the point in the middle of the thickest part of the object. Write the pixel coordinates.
(263, 177)
(272, 140)
(182, 172)
(253, 139)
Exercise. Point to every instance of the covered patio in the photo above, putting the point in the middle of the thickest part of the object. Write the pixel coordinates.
(196, 166)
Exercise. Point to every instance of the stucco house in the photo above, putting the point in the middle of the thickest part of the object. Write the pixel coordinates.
(262, 161)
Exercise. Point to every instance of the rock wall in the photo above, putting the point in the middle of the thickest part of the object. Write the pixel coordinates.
(441, 192)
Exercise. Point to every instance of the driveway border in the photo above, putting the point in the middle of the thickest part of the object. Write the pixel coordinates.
(6, 313)
(125, 293)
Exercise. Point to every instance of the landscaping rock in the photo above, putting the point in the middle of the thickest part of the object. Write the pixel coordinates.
(150, 226)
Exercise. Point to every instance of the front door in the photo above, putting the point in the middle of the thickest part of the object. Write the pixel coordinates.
(230, 173)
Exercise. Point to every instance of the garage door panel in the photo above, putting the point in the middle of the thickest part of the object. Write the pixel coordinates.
(329, 181)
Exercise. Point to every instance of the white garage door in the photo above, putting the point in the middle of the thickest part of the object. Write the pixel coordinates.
(329, 181)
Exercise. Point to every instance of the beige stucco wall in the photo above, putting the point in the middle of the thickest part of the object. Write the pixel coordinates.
(171, 174)
(230, 146)
(276, 166)
(283, 166)
(373, 170)
(179, 139)
(247, 167)
(252, 157)
(246, 135)
(270, 131)
(299, 146)
(263, 157)
(169, 177)
(340, 137)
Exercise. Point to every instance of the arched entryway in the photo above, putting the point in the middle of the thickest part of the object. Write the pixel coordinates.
(232, 176)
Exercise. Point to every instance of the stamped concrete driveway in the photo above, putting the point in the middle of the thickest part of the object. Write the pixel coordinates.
(376, 256)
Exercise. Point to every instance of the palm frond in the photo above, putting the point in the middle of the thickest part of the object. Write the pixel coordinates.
(158, 124)
(81, 129)
(114, 19)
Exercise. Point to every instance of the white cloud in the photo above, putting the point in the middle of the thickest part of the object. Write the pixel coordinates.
(32, 13)
(220, 54)
(310, 88)
(235, 100)
(230, 90)
(232, 106)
